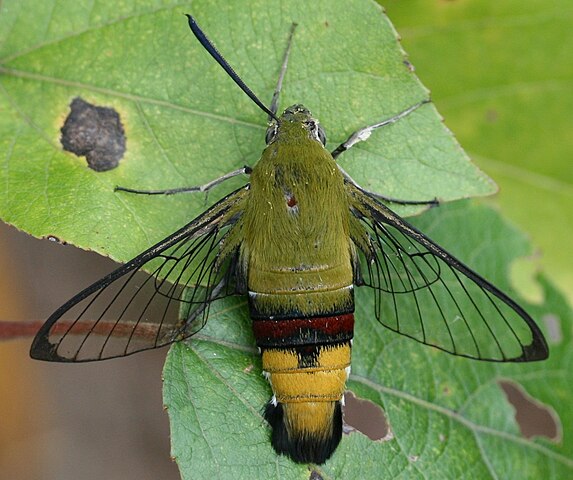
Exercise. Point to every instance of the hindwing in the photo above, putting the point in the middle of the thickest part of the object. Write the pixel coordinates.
(161, 296)
(425, 293)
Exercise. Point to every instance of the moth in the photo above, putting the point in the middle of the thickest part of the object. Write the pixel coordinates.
(296, 241)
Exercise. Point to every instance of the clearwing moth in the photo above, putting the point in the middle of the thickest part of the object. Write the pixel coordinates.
(295, 240)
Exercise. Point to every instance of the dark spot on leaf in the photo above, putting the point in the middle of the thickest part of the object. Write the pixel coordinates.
(534, 418)
(364, 416)
(95, 133)
(553, 326)
(326, 24)
(314, 475)
(409, 66)
(491, 115)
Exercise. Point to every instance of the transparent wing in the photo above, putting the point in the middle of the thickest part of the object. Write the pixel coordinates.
(423, 292)
(130, 310)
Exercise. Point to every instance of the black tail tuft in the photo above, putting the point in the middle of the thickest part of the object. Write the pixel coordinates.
(301, 442)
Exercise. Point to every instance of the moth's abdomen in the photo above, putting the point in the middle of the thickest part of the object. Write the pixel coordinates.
(307, 432)
(307, 361)
(298, 258)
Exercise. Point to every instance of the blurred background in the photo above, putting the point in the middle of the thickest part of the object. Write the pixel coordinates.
(89, 421)
(501, 75)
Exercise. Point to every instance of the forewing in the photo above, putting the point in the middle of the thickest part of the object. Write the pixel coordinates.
(425, 293)
(130, 310)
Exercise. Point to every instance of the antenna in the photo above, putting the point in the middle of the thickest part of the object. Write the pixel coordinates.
(203, 40)
(275, 100)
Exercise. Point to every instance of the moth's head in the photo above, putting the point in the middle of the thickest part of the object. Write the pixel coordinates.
(295, 124)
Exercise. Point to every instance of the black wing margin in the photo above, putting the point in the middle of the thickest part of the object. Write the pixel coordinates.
(130, 310)
(424, 293)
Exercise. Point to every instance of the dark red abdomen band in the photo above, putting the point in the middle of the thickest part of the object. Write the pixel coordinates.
(303, 331)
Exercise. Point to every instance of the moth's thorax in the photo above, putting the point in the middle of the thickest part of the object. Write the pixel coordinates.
(297, 217)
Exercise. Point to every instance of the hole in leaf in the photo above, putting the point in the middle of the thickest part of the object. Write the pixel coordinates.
(553, 326)
(534, 418)
(95, 133)
(55, 239)
(366, 417)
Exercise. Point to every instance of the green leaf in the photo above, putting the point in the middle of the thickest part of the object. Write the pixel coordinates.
(448, 413)
(187, 123)
(448, 416)
(501, 74)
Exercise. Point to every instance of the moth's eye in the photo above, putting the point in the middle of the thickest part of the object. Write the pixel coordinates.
(271, 133)
(316, 131)
(322, 135)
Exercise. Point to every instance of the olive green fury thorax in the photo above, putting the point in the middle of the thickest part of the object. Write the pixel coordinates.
(296, 221)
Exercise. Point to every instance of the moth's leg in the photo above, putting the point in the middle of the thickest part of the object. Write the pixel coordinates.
(362, 135)
(275, 100)
(434, 202)
(246, 170)
(365, 132)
